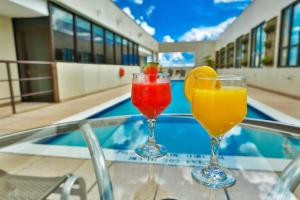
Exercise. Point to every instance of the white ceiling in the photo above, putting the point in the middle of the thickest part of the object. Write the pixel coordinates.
(23, 8)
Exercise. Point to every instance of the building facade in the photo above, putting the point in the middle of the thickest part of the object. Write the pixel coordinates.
(86, 43)
(263, 44)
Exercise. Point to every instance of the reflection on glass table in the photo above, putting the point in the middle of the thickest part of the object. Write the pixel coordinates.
(262, 156)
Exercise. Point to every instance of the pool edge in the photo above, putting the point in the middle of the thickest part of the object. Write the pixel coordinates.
(261, 107)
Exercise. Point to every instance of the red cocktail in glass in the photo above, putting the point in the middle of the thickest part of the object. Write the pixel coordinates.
(151, 94)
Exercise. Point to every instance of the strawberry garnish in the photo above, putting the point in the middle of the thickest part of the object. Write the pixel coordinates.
(152, 69)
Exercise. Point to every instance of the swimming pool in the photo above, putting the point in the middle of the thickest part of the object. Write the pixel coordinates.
(180, 137)
(179, 105)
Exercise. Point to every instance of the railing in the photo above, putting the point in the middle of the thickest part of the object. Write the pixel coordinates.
(10, 80)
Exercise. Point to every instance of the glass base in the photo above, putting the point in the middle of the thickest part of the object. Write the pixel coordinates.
(151, 151)
(213, 177)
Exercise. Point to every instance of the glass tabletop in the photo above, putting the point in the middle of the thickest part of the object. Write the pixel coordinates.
(262, 155)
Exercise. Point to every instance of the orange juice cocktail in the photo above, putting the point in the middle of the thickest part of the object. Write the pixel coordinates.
(218, 110)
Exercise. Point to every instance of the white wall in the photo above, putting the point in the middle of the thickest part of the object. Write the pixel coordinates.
(256, 13)
(282, 80)
(108, 14)
(7, 52)
(200, 48)
(76, 79)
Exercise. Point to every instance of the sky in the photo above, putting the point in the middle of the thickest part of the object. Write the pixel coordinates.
(183, 20)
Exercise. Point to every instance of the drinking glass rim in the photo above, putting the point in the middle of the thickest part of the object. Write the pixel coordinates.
(144, 74)
(222, 78)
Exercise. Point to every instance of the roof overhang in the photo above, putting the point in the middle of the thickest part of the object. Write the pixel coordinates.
(21, 8)
(144, 52)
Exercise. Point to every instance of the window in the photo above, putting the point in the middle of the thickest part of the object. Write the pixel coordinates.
(217, 58)
(83, 37)
(62, 26)
(98, 44)
(118, 43)
(125, 52)
(134, 54)
(257, 46)
(130, 51)
(77, 39)
(109, 47)
(222, 57)
(229, 55)
(239, 52)
(137, 56)
(177, 59)
(290, 36)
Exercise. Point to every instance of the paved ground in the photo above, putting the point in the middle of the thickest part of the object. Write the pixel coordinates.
(6, 111)
(282, 103)
(55, 112)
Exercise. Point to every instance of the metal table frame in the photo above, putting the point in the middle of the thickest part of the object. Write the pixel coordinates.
(101, 171)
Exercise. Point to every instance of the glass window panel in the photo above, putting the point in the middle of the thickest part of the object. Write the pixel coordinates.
(257, 42)
(62, 25)
(296, 25)
(256, 61)
(83, 36)
(109, 47)
(258, 50)
(239, 52)
(125, 52)
(118, 43)
(286, 27)
(130, 53)
(137, 54)
(253, 39)
(283, 57)
(134, 54)
(98, 44)
(262, 43)
(293, 58)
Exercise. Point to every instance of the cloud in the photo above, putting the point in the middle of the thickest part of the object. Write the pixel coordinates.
(128, 12)
(176, 59)
(147, 28)
(235, 131)
(206, 33)
(150, 10)
(138, 2)
(168, 38)
(228, 1)
(138, 21)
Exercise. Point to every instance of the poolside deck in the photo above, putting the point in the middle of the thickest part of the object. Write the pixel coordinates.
(283, 103)
(54, 112)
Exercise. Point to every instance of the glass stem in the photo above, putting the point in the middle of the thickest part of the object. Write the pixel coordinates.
(215, 148)
(151, 131)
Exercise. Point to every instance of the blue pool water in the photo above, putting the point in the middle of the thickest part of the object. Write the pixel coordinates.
(181, 135)
(179, 105)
